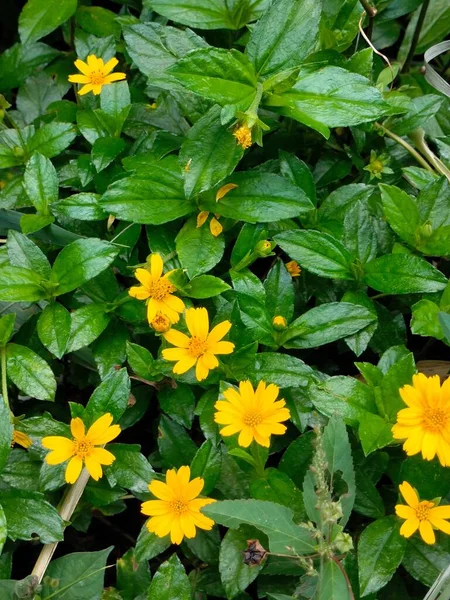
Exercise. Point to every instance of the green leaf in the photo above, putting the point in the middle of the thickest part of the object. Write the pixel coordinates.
(87, 323)
(198, 249)
(35, 96)
(277, 487)
(6, 432)
(420, 110)
(98, 21)
(138, 198)
(140, 360)
(170, 581)
(18, 284)
(81, 261)
(298, 173)
(105, 150)
(3, 528)
(115, 99)
(285, 537)
(206, 464)
(368, 501)
(403, 274)
(22, 252)
(339, 458)
(111, 396)
(79, 574)
(279, 291)
(374, 432)
(41, 182)
(54, 328)
(6, 328)
(149, 545)
(235, 575)
(401, 212)
(18, 62)
(84, 206)
(208, 154)
(130, 470)
(38, 18)
(380, 551)
(109, 349)
(333, 583)
(331, 97)
(211, 14)
(133, 577)
(444, 320)
(297, 458)
(317, 252)
(259, 198)
(205, 286)
(28, 515)
(360, 233)
(284, 36)
(282, 370)
(326, 323)
(33, 223)
(52, 138)
(30, 372)
(223, 76)
(178, 403)
(175, 445)
(344, 396)
(425, 562)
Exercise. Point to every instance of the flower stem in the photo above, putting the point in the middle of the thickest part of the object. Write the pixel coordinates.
(4, 384)
(68, 505)
(416, 35)
(406, 146)
(418, 137)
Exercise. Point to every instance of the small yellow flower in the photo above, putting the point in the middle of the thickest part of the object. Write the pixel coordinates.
(279, 322)
(82, 448)
(200, 349)
(422, 515)
(177, 511)
(425, 424)
(214, 226)
(255, 414)
(95, 74)
(21, 438)
(223, 191)
(243, 135)
(157, 290)
(293, 268)
(161, 323)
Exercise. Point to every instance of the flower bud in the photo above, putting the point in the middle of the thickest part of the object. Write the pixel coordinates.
(263, 248)
(161, 323)
(279, 322)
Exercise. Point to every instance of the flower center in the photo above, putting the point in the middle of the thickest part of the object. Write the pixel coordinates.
(423, 510)
(251, 419)
(83, 447)
(377, 166)
(178, 507)
(161, 288)
(435, 419)
(97, 77)
(197, 347)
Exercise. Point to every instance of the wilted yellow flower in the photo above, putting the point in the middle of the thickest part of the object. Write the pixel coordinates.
(21, 438)
(223, 191)
(214, 226)
(161, 323)
(95, 74)
(425, 424)
(279, 322)
(178, 509)
(255, 414)
(200, 349)
(293, 268)
(82, 448)
(158, 291)
(243, 135)
(423, 515)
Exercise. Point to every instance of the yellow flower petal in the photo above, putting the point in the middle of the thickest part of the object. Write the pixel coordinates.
(155, 508)
(114, 77)
(83, 67)
(102, 456)
(223, 348)
(409, 494)
(441, 512)
(245, 437)
(156, 265)
(94, 468)
(440, 524)
(221, 192)
(161, 490)
(187, 525)
(79, 79)
(100, 426)
(85, 89)
(201, 217)
(139, 292)
(177, 338)
(409, 527)
(109, 66)
(144, 277)
(201, 370)
(197, 322)
(405, 512)
(426, 532)
(218, 332)
(77, 428)
(73, 469)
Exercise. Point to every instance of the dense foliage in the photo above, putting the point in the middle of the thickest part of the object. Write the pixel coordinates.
(224, 300)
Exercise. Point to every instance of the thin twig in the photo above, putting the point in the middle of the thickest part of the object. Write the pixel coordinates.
(146, 381)
(416, 35)
(406, 146)
(383, 56)
(371, 11)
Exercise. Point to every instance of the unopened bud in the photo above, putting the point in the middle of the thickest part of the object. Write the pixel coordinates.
(279, 322)
(263, 248)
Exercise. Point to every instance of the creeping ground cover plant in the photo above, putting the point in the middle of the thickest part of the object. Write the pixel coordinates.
(225, 300)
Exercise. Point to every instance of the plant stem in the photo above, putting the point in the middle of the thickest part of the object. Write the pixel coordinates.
(370, 10)
(66, 510)
(4, 383)
(405, 145)
(418, 137)
(416, 35)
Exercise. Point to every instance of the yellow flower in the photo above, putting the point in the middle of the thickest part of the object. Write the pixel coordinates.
(214, 226)
(279, 322)
(21, 438)
(161, 323)
(201, 348)
(425, 424)
(95, 74)
(158, 291)
(256, 414)
(293, 268)
(424, 516)
(82, 448)
(243, 135)
(178, 509)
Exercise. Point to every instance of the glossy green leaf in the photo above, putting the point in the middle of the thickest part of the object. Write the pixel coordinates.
(235, 575)
(333, 583)
(111, 396)
(205, 286)
(140, 360)
(6, 328)
(425, 562)
(344, 396)
(32, 223)
(175, 445)
(41, 182)
(149, 545)
(18, 284)
(38, 18)
(207, 464)
(170, 581)
(54, 328)
(133, 577)
(3, 528)
(29, 372)
(283, 370)
(18, 62)
(52, 138)
(6, 432)
(198, 250)
(87, 323)
(85, 207)
(105, 150)
(130, 470)
(22, 252)
(277, 487)
(401, 212)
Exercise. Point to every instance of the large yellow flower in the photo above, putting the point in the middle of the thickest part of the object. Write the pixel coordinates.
(82, 448)
(424, 516)
(158, 291)
(178, 509)
(201, 348)
(425, 424)
(95, 74)
(256, 414)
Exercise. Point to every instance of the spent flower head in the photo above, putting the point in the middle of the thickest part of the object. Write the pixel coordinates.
(378, 165)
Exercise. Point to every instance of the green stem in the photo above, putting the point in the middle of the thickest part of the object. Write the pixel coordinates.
(418, 137)
(4, 383)
(406, 146)
(259, 465)
(416, 36)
